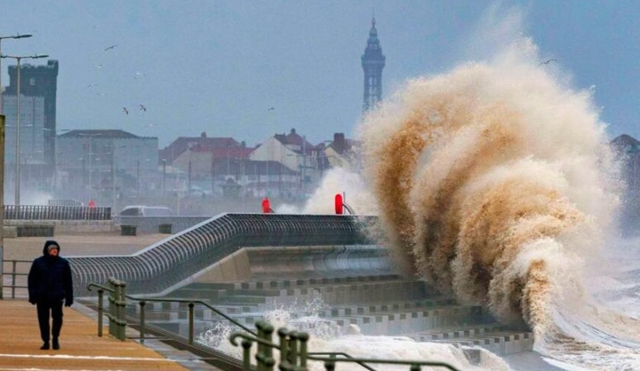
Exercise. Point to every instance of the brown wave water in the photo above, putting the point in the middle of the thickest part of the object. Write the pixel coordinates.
(494, 184)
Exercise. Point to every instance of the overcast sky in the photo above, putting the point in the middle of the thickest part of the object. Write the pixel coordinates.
(219, 66)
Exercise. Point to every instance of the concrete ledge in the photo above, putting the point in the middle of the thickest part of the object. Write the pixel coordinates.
(10, 232)
(67, 226)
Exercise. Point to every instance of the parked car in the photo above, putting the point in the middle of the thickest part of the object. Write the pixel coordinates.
(141, 210)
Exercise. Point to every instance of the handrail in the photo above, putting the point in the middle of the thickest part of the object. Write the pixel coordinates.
(329, 363)
(168, 263)
(332, 354)
(194, 302)
(120, 320)
(294, 356)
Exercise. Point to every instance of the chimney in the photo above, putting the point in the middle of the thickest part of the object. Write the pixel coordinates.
(338, 139)
(203, 135)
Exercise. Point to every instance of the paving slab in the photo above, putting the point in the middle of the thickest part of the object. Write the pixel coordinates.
(81, 348)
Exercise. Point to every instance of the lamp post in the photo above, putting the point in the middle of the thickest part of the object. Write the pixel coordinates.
(17, 175)
(90, 159)
(18, 36)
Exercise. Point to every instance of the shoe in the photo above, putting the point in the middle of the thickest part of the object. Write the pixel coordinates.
(56, 345)
(45, 346)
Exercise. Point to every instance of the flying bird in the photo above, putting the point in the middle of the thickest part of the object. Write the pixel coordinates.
(547, 62)
(143, 108)
(110, 47)
(271, 109)
(125, 110)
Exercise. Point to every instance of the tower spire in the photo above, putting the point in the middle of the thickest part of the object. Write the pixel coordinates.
(373, 62)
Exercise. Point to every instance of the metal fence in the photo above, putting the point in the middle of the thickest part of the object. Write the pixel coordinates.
(44, 212)
(168, 262)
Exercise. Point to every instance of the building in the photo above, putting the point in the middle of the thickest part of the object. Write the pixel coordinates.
(100, 163)
(179, 146)
(295, 153)
(32, 129)
(38, 81)
(339, 153)
(627, 150)
(373, 62)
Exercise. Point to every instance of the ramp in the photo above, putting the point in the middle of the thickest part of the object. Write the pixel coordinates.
(175, 259)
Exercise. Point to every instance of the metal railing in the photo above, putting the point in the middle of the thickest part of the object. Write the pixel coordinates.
(46, 212)
(14, 274)
(117, 316)
(292, 344)
(168, 262)
(294, 355)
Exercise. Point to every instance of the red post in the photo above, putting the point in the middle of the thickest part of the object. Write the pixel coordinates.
(266, 206)
(339, 204)
(92, 204)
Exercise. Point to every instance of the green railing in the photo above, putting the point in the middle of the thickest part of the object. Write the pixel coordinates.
(117, 316)
(294, 355)
(292, 345)
(14, 274)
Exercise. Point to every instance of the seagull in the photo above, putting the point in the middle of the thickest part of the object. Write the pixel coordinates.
(125, 110)
(110, 47)
(98, 66)
(271, 109)
(91, 85)
(547, 62)
(143, 108)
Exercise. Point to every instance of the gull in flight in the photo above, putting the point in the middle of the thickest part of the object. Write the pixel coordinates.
(125, 110)
(547, 62)
(110, 47)
(143, 108)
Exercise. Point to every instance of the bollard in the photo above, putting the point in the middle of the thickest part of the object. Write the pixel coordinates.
(293, 348)
(100, 311)
(246, 355)
(13, 280)
(142, 305)
(260, 353)
(304, 338)
(191, 305)
(268, 351)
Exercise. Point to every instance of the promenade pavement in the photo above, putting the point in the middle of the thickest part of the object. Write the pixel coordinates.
(81, 348)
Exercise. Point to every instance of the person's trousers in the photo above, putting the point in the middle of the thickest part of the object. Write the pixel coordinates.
(46, 308)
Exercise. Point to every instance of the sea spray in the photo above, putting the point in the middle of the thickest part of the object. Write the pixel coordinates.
(495, 183)
(325, 336)
(476, 167)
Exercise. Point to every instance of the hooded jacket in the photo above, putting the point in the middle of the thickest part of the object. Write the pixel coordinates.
(50, 277)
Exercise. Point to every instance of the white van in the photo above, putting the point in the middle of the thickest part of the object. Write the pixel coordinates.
(141, 210)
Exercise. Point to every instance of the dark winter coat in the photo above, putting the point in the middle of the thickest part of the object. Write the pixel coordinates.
(50, 278)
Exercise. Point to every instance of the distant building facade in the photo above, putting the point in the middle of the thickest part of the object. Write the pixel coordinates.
(373, 61)
(97, 160)
(38, 81)
(32, 125)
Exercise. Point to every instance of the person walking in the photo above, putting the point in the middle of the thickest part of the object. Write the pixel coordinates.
(49, 284)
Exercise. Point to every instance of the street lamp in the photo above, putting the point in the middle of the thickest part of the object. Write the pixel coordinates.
(17, 175)
(90, 159)
(18, 36)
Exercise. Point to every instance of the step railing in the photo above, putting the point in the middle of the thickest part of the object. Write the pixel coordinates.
(293, 344)
(118, 302)
(294, 355)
